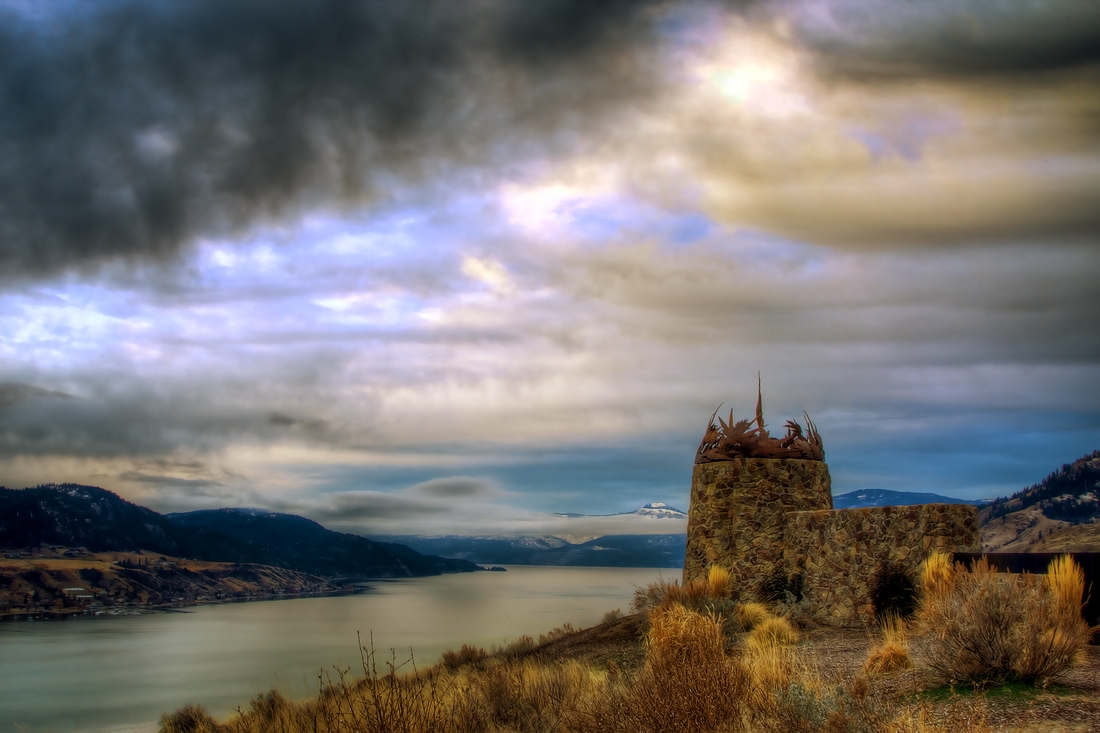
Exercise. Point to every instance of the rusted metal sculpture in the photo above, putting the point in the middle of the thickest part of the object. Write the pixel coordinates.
(729, 440)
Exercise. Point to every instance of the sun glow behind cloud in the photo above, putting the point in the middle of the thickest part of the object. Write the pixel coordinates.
(910, 261)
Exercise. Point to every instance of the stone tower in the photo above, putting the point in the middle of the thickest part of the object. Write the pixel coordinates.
(743, 485)
(762, 507)
(738, 515)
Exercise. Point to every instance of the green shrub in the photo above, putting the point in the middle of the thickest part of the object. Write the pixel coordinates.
(780, 585)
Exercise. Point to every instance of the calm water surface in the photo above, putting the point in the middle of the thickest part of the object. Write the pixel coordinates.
(120, 673)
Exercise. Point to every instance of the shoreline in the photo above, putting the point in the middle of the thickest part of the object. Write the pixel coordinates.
(146, 610)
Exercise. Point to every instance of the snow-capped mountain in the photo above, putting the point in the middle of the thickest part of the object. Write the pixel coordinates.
(659, 510)
(655, 509)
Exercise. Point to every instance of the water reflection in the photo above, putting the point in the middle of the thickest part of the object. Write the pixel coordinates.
(121, 673)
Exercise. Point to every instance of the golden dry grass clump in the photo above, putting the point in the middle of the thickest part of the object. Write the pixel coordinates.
(937, 577)
(688, 683)
(751, 614)
(986, 627)
(892, 652)
(718, 582)
(772, 632)
(680, 635)
(716, 586)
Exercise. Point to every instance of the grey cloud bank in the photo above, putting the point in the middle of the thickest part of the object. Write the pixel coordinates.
(130, 128)
(414, 267)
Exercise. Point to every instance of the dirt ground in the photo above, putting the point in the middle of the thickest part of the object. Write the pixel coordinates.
(1070, 705)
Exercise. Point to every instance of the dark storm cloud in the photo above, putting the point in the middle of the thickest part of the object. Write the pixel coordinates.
(130, 129)
(145, 421)
(360, 505)
(947, 38)
(312, 426)
(453, 487)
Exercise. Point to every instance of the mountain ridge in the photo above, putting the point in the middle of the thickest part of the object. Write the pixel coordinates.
(886, 497)
(651, 550)
(75, 515)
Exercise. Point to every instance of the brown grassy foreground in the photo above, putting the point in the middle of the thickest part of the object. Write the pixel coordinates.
(679, 666)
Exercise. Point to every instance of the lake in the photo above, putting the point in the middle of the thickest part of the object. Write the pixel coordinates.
(91, 675)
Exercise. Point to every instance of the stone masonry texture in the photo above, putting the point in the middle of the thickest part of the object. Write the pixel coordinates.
(838, 552)
(767, 517)
(737, 515)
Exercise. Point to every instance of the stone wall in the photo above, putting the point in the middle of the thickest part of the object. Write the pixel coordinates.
(737, 516)
(838, 551)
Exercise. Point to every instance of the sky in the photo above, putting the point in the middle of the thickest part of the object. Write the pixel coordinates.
(451, 268)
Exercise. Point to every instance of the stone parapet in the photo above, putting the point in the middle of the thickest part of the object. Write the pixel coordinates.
(838, 552)
(738, 515)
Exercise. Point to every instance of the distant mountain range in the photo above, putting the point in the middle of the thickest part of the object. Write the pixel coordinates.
(86, 516)
(627, 551)
(884, 497)
(656, 510)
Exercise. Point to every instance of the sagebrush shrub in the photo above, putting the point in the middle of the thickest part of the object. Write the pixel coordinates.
(188, 719)
(466, 655)
(985, 627)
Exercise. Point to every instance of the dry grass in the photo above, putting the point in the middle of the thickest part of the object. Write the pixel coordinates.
(983, 627)
(716, 586)
(892, 652)
(690, 682)
(937, 577)
(680, 635)
(718, 582)
(752, 614)
(772, 632)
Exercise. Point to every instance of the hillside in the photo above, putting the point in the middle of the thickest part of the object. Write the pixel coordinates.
(1070, 494)
(71, 515)
(287, 540)
(60, 581)
(1054, 515)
